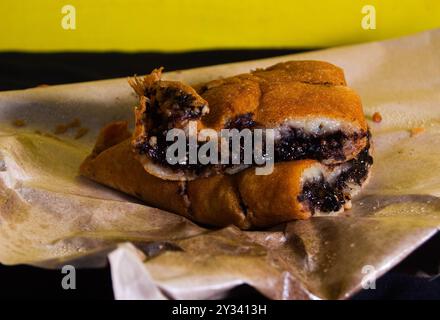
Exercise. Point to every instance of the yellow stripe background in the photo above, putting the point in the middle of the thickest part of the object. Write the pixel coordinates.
(173, 25)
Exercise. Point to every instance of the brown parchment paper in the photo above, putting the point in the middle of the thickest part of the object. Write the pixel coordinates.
(49, 216)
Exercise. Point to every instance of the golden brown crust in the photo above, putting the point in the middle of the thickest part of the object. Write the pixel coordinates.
(252, 93)
(274, 197)
(216, 201)
(111, 135)
(289, 90)
(113, 165)
(301, 100)
(307, 71)
(249, 200)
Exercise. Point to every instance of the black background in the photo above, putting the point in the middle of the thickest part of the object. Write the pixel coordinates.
(23, 70)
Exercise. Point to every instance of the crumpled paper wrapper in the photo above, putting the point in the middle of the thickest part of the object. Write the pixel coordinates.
(50, 217)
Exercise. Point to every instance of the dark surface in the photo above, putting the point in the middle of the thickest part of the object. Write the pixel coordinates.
(23, 70)
(19, 71)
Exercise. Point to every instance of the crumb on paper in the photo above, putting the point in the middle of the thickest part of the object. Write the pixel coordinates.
(377, 117)
(81, 132)
(62, 128)
(416, 131)
(74, 123)
(46, 134)
(19, 123)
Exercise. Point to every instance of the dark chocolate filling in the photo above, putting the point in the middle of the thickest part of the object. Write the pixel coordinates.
(244, 121)
(320, 195)
(179, 105)
(158, 154)
(295, 144)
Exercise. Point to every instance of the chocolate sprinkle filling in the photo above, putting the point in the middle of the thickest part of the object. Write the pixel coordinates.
(297, 144)
(320, 195)
(294, 146)
(244, 121)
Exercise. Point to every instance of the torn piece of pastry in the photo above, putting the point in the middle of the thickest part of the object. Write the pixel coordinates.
(294, 190)
(313, 113)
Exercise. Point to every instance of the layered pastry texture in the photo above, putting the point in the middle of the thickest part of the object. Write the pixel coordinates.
(314, 115)
(295, 190)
